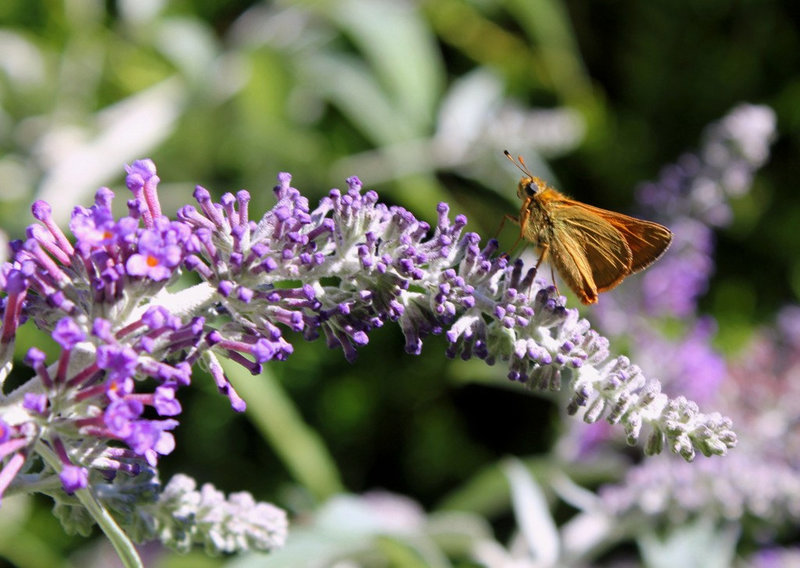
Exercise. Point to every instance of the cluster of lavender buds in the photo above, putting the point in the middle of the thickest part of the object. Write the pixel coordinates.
(90, 424)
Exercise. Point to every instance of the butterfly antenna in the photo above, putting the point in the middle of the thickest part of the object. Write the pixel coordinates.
(519, 162)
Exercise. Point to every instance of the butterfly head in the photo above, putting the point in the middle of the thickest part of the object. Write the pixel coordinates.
(529, 187)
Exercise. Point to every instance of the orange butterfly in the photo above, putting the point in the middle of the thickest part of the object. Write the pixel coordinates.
(593, 249)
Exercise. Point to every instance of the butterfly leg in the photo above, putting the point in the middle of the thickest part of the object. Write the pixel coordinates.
(506, 217)
(544, 248)
(522, 221)
(553, 278)
(514, 220)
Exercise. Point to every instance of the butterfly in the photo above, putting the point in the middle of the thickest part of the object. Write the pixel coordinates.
(593, 249)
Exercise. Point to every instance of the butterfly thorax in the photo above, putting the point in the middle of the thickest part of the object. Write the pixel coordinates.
(534, 217)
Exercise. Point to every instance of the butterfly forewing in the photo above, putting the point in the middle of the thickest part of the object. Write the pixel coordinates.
(647, 240)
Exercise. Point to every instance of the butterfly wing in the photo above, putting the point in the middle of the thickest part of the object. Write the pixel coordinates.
(590, 253)
(647, 240)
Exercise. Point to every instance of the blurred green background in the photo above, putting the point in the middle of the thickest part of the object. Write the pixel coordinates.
(418, 99)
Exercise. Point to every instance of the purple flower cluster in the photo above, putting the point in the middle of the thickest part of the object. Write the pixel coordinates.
(229, 524)
(82, 293)
(738, 486)
(103, 299)
(386, 268)
(348, 266)
(762, 481)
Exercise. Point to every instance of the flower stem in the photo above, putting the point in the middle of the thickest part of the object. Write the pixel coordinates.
(125, 549)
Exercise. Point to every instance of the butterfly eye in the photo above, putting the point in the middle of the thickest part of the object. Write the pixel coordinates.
(531, 188)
